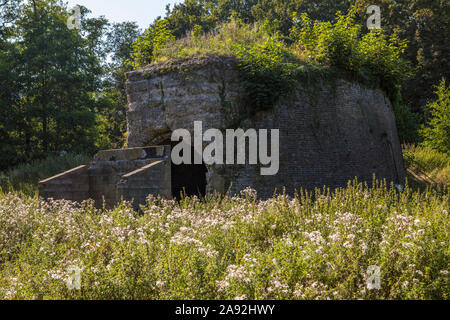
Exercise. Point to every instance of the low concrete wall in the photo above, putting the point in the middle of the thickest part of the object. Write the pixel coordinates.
(70, 185)
(104, 176)
(154, 178)
(130, 174)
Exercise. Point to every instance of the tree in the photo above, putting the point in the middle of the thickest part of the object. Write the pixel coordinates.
(119, 45)
(209, 13)
(147, 45)
(9, 96)
(437, 132)
(283, 10)
(184, 15)
(8, 14)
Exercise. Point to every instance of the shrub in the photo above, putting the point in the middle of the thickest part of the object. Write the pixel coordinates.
(149, 43)
(436, 134)
(327, 43)
(265, 74)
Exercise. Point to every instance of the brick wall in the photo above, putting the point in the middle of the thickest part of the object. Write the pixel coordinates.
(340, 131)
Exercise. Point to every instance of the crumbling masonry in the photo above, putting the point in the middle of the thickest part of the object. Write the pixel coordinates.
(339, 132)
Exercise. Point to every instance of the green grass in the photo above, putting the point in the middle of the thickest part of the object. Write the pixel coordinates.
(432, 165)
(228, 247)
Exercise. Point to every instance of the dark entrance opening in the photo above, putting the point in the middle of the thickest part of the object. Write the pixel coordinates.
(188, 179)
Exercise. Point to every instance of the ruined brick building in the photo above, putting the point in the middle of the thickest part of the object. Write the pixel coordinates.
(340, 132)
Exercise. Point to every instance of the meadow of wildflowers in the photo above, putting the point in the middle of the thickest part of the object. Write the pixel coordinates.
(312, 246)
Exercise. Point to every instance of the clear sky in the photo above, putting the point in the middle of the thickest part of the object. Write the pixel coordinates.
(141, 11)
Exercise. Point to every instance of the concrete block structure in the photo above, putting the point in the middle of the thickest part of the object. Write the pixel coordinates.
(329, 134)
(72, 185)
(331, 131)
(129, 174)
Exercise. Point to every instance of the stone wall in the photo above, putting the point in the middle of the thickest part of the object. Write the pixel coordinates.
(129, 174)
(340, 132)
(160, 101)
(70, 185)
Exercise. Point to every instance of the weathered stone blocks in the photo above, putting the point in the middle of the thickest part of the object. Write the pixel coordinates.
(154, 178)
(147, 171)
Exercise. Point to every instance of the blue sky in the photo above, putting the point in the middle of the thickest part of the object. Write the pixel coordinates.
(141, 11)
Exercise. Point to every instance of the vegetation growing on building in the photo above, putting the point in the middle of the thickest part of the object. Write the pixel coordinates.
(271, 64)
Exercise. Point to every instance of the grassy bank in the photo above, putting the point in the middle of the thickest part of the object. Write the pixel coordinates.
(230, 247)
(24, 178)
(427, 166)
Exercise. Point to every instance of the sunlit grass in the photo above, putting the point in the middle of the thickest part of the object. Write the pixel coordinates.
(222, 42)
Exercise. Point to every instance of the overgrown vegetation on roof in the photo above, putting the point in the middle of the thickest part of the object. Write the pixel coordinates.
(271, 63)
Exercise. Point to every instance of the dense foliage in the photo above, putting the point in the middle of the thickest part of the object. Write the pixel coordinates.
(52, 74)
(437, 132)
(59, 93)
(230, 247)
(342, 44)
(424, 24)
(63, 90)
(149, 43)
(25, 177)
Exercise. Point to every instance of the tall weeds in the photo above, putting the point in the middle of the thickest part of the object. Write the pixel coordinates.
(307, 247)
